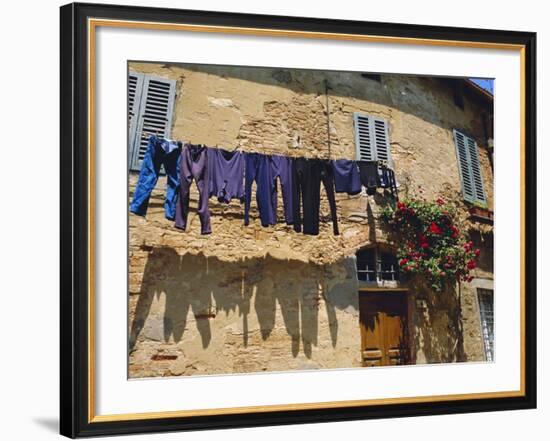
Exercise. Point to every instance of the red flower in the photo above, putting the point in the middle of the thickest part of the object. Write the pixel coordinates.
(424, 245)
(422, 238)
(401, 206)
(434, 228)
(477, 252)
(471, 264)
(403, 262)
(455, 232)
(440, 201)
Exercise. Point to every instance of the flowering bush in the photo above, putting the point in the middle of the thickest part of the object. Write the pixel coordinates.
(430, 244)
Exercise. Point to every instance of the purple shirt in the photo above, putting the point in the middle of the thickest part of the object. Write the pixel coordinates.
(226, 174)
(346, 176)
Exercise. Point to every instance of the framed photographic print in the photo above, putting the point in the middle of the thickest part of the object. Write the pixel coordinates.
(274, 220)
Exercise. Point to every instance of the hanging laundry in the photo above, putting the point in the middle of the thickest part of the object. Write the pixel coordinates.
(159, 152)
(327, 178)
(307, 175)
(281, 167)
(193, 165)
(387, 179)
(346, 176)
(226, 173)
(368, 171)
(258, 169)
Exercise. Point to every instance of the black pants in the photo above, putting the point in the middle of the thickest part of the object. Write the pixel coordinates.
(388, 181)
(306, 194)
(368, 171)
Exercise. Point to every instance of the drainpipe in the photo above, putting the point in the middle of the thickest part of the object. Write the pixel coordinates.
(327, 87)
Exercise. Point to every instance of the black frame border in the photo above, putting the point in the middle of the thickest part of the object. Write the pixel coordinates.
(74, 193)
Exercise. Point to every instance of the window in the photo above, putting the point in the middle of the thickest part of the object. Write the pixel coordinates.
(485, 297)
(458, 93)
(372, 141)
(374, 265)
(150, 109)
(374, 77)
(469, 169)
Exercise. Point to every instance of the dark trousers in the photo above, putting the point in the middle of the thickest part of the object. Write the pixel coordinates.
(307, 177)
(327, 178)
(257, 168)
(154, 158)
(368, 171)
(193, 165)
(387, 180)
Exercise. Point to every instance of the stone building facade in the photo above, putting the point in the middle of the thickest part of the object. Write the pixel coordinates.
(250, 298)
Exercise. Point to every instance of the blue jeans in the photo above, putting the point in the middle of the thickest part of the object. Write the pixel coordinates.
(159, 152)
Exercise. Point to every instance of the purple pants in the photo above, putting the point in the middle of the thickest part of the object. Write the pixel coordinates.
(193, 165)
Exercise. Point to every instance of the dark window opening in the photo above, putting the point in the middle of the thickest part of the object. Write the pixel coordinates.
(374, 77)
(458, 93)
(374, 265)
(366, 268)
(388, 267)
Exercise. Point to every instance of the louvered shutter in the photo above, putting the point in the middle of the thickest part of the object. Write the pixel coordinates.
(372, 142)
(135, 88)
(155, 114)
(469, 168)
(363, 137)
(381, 139)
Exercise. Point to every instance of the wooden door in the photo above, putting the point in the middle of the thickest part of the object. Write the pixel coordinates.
(383, 317)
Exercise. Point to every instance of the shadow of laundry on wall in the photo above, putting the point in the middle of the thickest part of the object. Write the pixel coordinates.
(203, 287)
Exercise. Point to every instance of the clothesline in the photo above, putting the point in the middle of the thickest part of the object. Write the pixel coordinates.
(230, 175)
(242, 149)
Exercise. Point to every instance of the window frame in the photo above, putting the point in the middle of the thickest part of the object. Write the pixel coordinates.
(378, 264)
(488, 352)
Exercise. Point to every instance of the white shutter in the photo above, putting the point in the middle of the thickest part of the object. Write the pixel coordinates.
(135, 87)
(476, 171)
(372, 142)
(363, 137)
(155, 114)
(469, 168)
(381, 140)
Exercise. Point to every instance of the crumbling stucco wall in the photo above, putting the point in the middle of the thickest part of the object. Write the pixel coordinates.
(247, 299)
